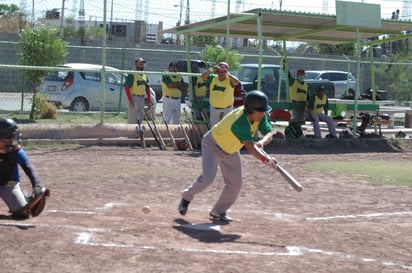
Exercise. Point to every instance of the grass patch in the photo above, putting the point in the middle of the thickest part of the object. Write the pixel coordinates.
(375, 171)
(69, 118)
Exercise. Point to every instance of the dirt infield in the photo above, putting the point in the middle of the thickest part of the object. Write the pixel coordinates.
(94, 222)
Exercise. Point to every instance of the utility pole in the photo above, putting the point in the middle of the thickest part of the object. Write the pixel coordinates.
(187, 21)
(62, 21)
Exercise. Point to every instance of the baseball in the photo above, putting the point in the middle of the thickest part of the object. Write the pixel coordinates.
(146, 209)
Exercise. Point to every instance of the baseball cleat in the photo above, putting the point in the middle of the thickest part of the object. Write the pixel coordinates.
(183, 206)
(220, 217)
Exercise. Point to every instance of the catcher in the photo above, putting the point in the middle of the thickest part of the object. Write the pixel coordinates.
(21, 205)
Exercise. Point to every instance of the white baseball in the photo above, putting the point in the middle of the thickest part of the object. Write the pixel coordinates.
(146, 209)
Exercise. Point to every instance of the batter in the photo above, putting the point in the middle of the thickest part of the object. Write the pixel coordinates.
(220, 147)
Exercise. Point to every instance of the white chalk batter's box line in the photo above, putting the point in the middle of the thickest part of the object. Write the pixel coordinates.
(279, 216)
(85, 236)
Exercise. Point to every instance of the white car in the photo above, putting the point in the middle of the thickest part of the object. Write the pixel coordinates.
(80, 89)
(343, 80)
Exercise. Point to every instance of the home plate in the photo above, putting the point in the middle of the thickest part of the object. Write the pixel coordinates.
(201, 226)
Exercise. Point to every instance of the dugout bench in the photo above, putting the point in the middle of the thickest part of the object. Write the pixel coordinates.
(336, 108)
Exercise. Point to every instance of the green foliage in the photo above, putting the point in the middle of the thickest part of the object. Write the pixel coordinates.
(204, 40)
(347, 49)
(44, 109)
(395, 78)
(8, 9)
(40, 46)
(216, 54)
(94, 31)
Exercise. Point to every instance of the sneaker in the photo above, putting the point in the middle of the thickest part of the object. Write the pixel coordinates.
(183, 206)
(220, 216)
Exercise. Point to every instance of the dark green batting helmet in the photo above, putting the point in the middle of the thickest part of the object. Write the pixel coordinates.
(257, 101)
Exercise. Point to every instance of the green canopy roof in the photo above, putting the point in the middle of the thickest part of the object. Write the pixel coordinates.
(290, 26)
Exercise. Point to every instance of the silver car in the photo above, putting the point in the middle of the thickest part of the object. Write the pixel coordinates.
(343, 80)
(80, 91)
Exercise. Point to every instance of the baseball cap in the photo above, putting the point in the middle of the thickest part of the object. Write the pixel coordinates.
(139, 60)
(223, 66)
(173, 64)
(321, 88)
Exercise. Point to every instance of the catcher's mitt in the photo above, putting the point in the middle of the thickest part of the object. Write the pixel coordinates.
(182, 145)
(37, 201)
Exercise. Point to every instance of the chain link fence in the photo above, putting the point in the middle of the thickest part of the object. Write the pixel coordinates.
(134, 29)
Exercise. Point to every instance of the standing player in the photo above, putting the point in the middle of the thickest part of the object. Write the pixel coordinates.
(136, 86)
(221, 91)
(173, 88)
(298, 90)
(220, 147)
(11, 156)
(200, 97)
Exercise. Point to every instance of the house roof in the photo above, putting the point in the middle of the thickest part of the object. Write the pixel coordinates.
(291, 26)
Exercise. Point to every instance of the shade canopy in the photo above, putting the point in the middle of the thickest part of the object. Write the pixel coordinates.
(291, 26)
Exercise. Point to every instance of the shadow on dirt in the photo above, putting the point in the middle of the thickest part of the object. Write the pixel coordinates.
(205, 232)
(334, 146)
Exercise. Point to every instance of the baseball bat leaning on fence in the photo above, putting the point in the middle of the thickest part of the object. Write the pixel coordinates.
(153, 132)
(172, 138)
(156, 129)
(196, 136)
(185, 135)
(206, 119)
(140, 130)
(291, 180)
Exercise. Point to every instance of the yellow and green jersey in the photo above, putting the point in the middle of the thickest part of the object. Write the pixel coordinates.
(235, 128)
(298, 91)
(137, 83)
(200, 87)
(318, 104)
(171, 92)
(221, 92)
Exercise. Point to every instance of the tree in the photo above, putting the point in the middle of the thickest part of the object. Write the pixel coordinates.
(216, 54)
(8, 9)
(204, 40)
(40, 46)
(11, 20)
(395, 78)
(347, 49)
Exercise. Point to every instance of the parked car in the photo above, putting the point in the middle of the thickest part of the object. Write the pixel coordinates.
(80, 89)
(343, 80)
(247, 74)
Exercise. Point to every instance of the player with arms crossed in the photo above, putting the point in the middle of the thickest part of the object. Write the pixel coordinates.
(221, 146)
(11, 156)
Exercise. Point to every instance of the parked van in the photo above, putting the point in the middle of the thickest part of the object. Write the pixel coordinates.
(343, 80)
(270, 84)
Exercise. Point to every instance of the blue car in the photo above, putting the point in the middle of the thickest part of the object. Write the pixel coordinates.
(79, 89)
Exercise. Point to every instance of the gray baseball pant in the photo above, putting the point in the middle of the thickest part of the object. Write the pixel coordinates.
(230, 165)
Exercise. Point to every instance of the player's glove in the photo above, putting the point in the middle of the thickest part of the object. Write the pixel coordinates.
(37, 201)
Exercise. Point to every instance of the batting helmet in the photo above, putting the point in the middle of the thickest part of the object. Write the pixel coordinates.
(182, 145)
(257, 101)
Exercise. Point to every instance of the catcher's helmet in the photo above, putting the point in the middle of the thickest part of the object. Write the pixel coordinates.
(9, 129)
(257, 101)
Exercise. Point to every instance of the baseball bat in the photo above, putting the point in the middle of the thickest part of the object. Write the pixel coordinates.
(153, 132)
(291, 180)
(185, 135)
(172, 138)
